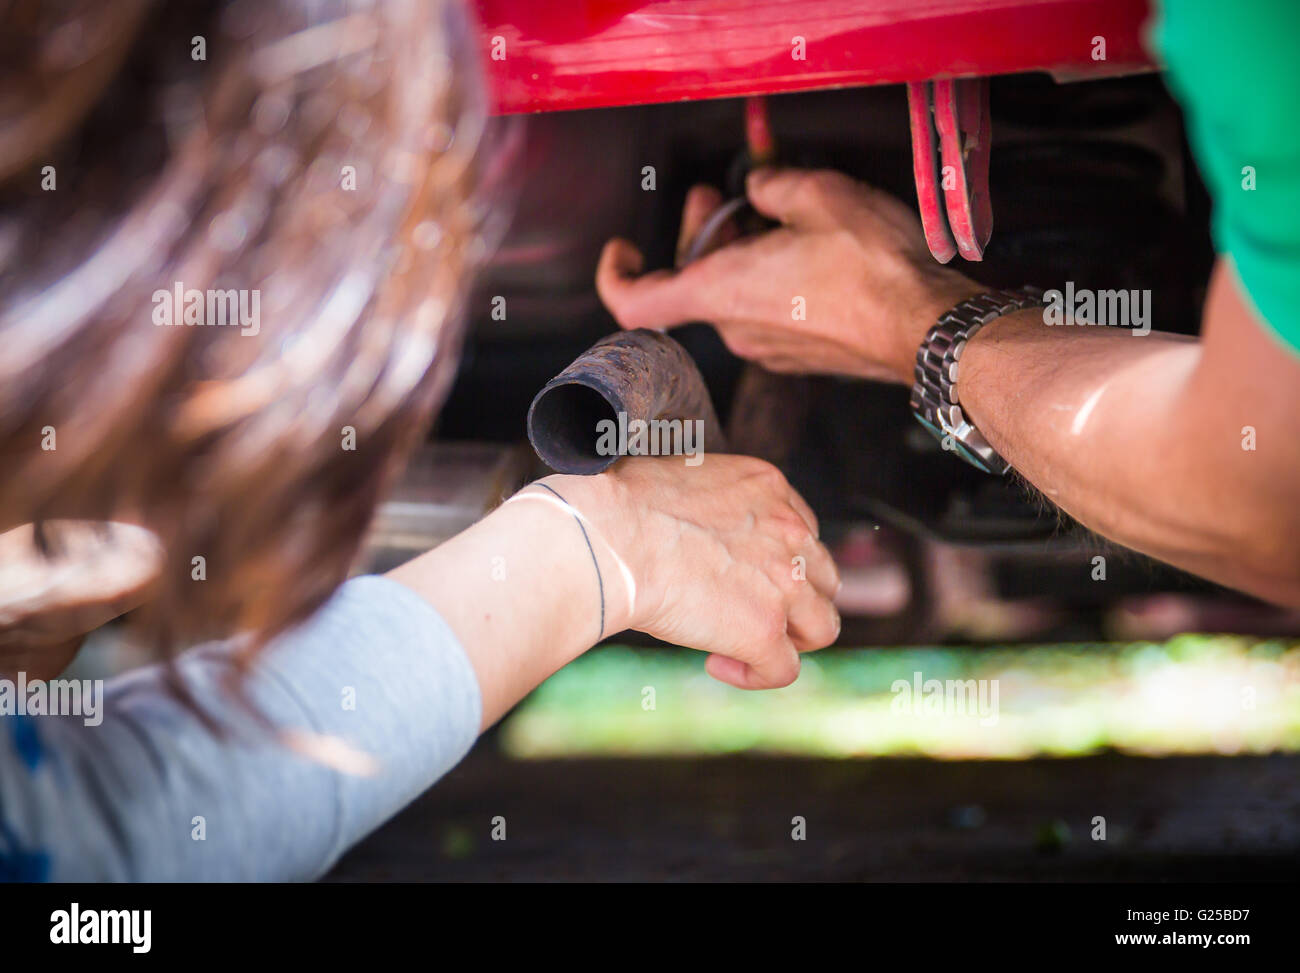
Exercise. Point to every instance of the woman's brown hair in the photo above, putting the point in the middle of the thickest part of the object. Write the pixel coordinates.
(317, 159)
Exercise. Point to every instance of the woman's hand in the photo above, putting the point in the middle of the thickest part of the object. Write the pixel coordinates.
(845, 286)
(722, 557)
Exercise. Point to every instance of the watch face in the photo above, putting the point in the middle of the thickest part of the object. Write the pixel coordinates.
(934, 430)
(949, 441)
(971, 458)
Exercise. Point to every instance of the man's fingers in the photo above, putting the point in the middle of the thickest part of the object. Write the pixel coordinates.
(619, 258)
(701, 202)
(798, 197)
(662, 299)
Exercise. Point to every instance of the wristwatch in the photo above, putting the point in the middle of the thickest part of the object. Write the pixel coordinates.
(935, 401)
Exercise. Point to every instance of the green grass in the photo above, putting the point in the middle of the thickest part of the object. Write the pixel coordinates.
(1193, 694)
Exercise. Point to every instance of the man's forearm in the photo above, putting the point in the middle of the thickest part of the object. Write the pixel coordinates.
(1091, 419)
(1130, 435)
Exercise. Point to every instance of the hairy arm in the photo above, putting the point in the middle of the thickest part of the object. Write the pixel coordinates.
(1148, 440)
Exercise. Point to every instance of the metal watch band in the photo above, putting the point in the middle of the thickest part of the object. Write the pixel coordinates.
(935, 399)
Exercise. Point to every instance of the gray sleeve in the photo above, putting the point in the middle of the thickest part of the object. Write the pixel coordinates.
(150, 793)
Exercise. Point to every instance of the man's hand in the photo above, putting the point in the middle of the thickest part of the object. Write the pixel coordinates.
(722, 557)
(844, 286)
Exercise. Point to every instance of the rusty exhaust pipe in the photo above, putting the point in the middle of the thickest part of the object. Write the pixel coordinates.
(624, 377)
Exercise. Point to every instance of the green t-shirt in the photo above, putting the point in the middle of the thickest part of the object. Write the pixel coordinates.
(1235, 66)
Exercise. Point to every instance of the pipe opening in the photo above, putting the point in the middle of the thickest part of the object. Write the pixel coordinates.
(562, 423)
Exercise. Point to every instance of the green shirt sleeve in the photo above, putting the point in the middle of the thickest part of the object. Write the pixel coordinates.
(1235, 67)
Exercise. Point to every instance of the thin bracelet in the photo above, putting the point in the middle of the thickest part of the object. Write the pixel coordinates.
(600, 582)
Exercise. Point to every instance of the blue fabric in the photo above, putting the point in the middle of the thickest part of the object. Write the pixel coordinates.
(376, 669)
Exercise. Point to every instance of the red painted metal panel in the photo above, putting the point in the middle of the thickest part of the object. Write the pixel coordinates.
(591, 53)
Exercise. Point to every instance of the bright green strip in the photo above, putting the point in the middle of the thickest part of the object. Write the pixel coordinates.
(1194, 694)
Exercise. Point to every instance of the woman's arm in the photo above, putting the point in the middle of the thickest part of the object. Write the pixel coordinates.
(701, 556)
(374, 687)
(387, 687)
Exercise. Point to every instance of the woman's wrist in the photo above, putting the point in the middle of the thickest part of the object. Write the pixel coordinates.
(602, 524)
(521, 592)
